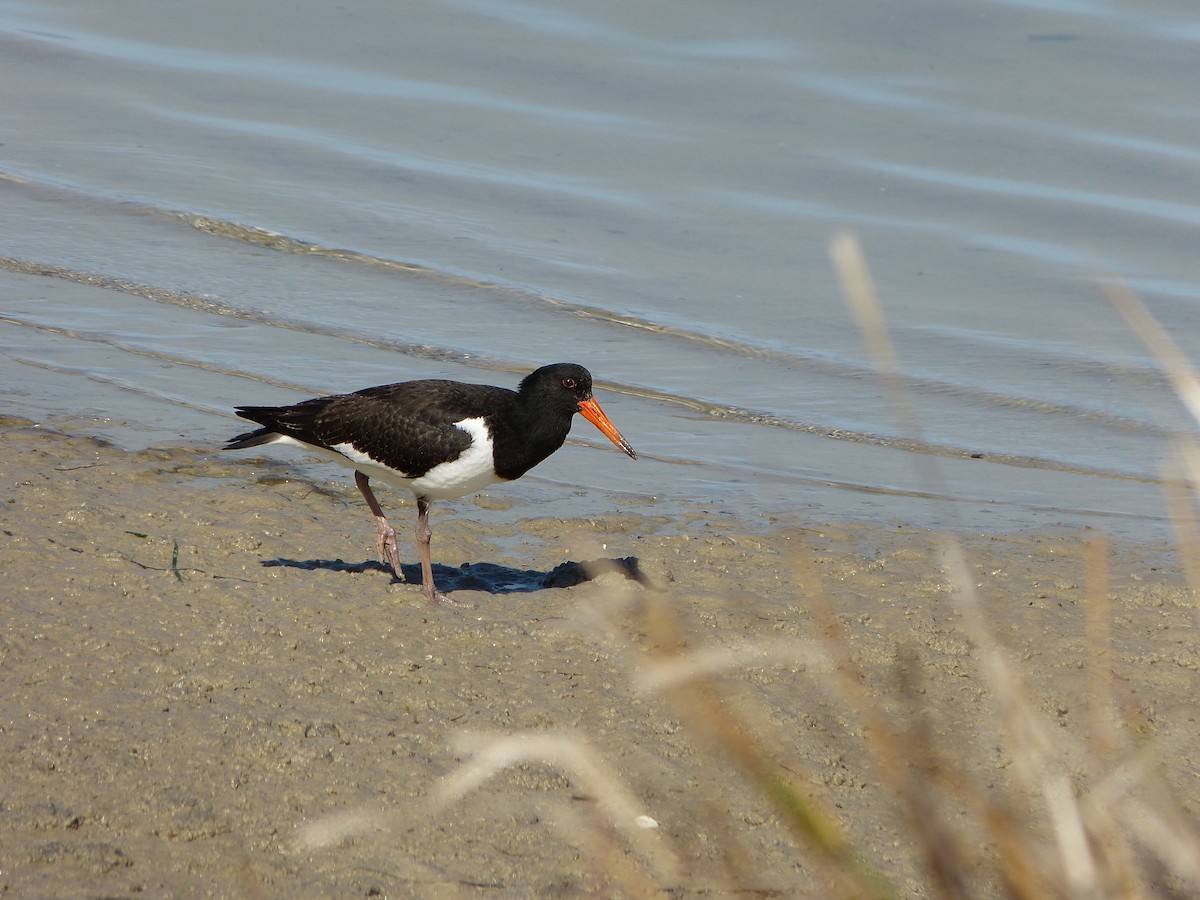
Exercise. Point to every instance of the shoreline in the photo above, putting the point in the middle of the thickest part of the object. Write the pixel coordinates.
(204, 664)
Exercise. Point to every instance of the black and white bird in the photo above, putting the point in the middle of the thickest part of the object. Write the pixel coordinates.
(439, 439)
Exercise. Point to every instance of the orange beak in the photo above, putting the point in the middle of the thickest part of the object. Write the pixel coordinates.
(591, 411)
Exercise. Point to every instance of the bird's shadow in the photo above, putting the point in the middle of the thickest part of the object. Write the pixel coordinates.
(488, 577)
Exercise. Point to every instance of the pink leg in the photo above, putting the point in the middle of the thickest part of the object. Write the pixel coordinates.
(387, 535)
(424, 533)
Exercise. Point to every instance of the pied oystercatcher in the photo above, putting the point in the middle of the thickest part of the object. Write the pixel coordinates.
(439, 439)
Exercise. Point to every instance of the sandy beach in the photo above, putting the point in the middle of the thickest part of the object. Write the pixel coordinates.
(212, 689)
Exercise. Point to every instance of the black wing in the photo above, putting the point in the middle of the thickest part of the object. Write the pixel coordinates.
(409, 427)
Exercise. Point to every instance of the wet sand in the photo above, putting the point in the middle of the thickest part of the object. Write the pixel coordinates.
(202, 664)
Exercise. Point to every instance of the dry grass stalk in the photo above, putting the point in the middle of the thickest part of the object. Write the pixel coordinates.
(1158, 341)
(903, 754)
(574, 756)
(725, 729)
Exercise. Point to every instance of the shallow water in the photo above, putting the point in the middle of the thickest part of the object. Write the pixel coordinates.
(217, 205)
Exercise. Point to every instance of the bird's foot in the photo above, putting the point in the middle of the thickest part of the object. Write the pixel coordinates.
(388, 552)
(437, 598)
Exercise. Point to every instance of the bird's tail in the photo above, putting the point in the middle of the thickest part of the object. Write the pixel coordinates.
(254, 438)
(268, 417)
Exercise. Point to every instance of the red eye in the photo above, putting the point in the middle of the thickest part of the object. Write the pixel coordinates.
(569, 383)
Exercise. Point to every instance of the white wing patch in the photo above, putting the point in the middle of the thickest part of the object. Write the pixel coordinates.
(474, 469)
(356, 456)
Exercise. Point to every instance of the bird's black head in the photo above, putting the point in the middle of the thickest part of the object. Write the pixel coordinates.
(560, 384)
(568, 387)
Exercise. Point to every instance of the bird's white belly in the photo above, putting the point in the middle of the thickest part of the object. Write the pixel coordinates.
(473, 470)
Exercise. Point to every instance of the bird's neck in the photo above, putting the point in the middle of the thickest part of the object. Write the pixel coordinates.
(524, 441)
